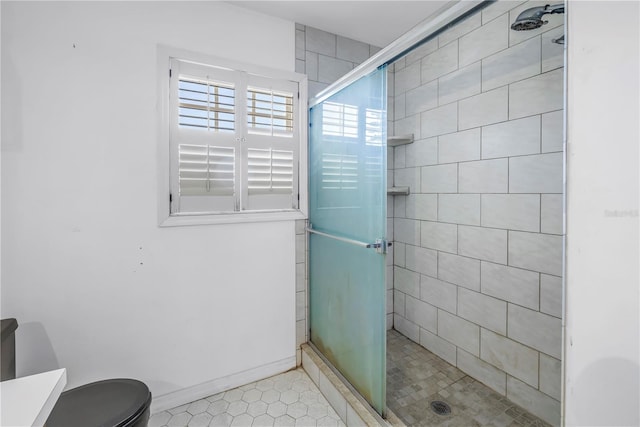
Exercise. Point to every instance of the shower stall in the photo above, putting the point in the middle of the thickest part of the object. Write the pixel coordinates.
(436, 213)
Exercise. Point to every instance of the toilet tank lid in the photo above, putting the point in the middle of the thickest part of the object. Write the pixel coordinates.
(8, 326)
(113, 402)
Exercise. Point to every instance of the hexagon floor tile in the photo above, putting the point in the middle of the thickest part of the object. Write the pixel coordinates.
(288, 399)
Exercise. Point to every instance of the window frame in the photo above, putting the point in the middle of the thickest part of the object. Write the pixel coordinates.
(165, 217)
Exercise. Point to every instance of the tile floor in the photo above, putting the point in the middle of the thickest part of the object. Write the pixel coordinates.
(288, 399)
(416, 377)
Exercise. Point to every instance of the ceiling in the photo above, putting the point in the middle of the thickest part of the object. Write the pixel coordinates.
(373, 22)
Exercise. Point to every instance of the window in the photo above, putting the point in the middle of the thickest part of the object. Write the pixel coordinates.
(235, 139)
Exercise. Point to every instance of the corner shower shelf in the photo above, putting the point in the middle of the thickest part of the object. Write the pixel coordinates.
(394, 141)
(398, 191)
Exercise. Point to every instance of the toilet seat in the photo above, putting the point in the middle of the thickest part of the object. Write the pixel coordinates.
(110, 403)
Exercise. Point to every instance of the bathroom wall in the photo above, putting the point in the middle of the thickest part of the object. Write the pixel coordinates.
(97, 287)
(602, 332)
(478, 242)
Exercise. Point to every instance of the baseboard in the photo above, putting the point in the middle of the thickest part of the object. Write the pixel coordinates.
(200, 391)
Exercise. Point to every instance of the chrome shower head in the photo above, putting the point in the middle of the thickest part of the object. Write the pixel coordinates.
(531, 18)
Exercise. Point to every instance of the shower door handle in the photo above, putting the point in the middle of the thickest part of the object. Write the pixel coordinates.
(380, 245)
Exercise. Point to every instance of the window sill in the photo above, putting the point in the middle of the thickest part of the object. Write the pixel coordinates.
(230, 218)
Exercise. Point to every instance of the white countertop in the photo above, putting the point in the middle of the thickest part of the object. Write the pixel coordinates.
(28, 401)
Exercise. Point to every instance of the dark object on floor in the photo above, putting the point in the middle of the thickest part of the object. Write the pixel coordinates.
(114, 402)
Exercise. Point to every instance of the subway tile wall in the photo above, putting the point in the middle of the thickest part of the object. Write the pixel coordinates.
(478, 242)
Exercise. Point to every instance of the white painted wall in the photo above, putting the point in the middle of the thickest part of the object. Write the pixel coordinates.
(602, 290)
(96, 285)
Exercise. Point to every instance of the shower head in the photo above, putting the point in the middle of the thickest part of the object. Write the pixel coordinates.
(531, 19)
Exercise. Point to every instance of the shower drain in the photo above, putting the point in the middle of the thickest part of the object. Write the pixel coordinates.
(440, 407)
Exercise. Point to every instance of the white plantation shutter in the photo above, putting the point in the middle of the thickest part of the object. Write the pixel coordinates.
(235, 141)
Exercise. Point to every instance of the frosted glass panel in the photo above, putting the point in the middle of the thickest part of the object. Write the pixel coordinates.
(347, 199)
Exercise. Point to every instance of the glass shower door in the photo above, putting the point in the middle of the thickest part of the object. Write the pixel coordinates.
(347, 237)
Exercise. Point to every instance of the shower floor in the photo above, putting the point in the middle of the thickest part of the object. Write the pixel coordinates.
(416, 377)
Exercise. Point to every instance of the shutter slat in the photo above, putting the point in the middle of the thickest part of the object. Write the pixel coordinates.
(206, 170)
(270, 171)
(269, 112)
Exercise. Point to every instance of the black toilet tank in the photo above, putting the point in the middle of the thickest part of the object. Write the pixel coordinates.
(109, 403)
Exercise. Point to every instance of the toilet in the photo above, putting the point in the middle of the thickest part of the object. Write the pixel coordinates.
(119, 402)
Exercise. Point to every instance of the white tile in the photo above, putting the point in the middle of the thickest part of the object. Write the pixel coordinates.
(459, 208)
(540, 94)
(399, 303)
(300, 35)
(300, 248)
(460, 29)
(408, 125)
(511, 211)
(301, 273)
(438, 293)
(516, 63)
(484, 109)
(399, 158)
(552, 53)
(301, 305)
(535, 329)
(300, 226)
(512, 138)
(300, 66)
(541, 173)
(438, 346)
(440, 236)
(510, 356)
(488, 244)
(422, 206)
(399, 207)
(316, 87)
(320, 41)
(422, 98)
(421, 51)
(539, 404)
(484, 41)
(422, 314)
(301, 332)
(353, 419)
(459, 146)
(553, 21)
(389, 321)
(510, 284)
(399, 250)
(406, 231)
(459, 270)
(460, 332)
(351, 50)
(552, 132)
(439, 179)
(537, 252)
(551, 295)
(407, 281)
(333, 396)
(484, 176)
(550, 376)
(331, 69)
(551, 214)
(484, 310)
(482, 371)
(406, 328)
(440, 62)
(439, 121)
(460, 84)
(421, 260)
(422, 152)
(498, 8)
(408, 78)
(399, 104)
